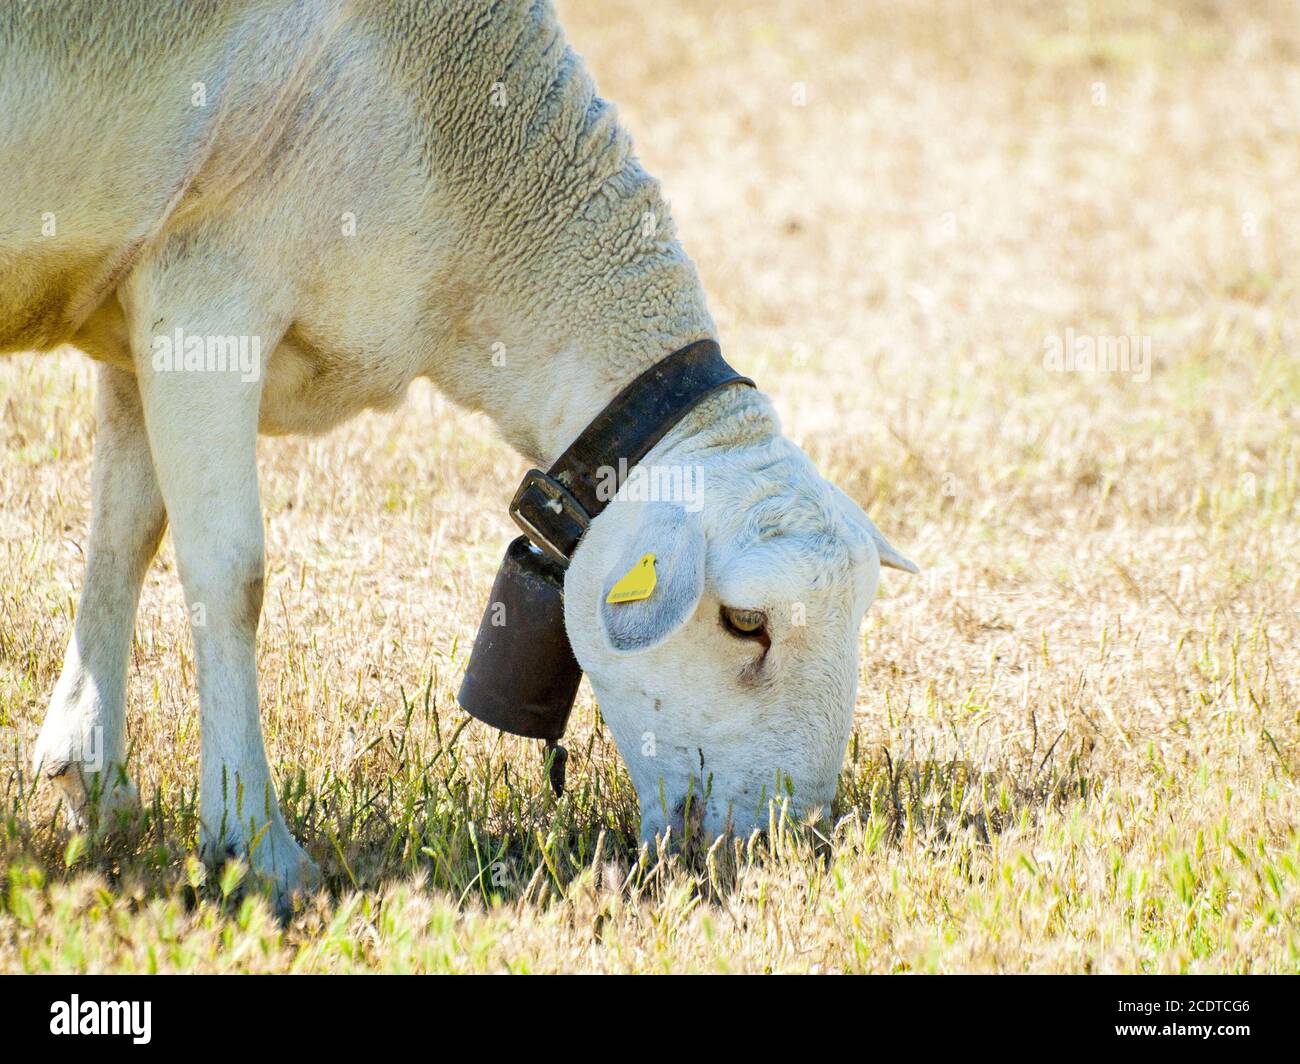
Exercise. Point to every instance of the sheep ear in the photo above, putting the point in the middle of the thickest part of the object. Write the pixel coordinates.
(888, 555)
(636, 619)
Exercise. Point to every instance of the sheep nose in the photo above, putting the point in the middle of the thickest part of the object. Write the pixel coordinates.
(689, 817)
(684, 821)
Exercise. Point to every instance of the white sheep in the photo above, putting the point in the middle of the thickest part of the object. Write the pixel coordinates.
(363, 194)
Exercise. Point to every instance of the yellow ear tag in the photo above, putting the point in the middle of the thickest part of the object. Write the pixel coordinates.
(637, 584)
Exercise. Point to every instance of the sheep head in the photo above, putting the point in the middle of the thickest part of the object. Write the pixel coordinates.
(731, 681)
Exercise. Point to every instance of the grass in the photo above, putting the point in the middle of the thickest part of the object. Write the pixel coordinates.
(1078, 731)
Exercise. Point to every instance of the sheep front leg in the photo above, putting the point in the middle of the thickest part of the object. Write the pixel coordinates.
(82, 745)
(202, 424)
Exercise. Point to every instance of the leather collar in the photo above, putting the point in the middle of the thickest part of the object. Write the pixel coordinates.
(554, 508)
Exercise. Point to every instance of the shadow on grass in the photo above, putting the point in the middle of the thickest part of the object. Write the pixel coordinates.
(489, 829)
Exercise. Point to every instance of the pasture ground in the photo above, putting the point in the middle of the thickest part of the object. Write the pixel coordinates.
(1078, 733)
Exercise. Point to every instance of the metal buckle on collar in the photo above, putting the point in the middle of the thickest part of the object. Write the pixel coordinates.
(549, 515)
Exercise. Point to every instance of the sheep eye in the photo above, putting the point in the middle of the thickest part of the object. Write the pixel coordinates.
(747, 624)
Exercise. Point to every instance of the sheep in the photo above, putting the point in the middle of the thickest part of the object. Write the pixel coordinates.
(365, 194)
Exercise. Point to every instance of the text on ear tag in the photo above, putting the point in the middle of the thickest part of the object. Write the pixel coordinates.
(636, 584)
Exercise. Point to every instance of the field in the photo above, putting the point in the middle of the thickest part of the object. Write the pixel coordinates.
(1078, 732)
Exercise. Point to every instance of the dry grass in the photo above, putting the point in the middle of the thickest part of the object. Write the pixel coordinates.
(1078, 734)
